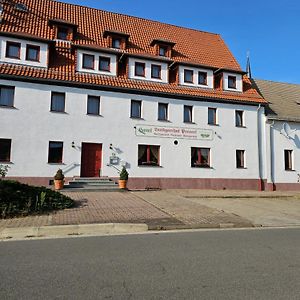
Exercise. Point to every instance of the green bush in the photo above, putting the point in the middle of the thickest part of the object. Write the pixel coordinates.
(17, 199)
(124, 174)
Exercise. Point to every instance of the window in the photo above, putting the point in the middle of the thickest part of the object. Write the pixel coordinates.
(288, 160)
(148, 155)
(7, 96)
(5, 146)
(156, 71)
(93, 105)
(240, 159)
(55, 152)
(212, 116)
(188, 76)
(116, 43)
(13, 50)
(162, 111)
(202, 78)
(200, 157)
(231, 82)
(88, 61)
(188, 114)
(104, 63)
(239, 118)
(139, 69)
(58, 102)
(162, 51)
(32, 53)
(62, 33)
(136, 109)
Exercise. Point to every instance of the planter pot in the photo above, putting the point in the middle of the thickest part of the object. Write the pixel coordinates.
(122, 184)
(58, 184)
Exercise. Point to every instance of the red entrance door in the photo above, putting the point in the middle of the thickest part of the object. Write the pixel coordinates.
(91, 160)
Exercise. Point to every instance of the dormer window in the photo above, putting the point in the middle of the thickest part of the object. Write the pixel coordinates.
(188, 76)
(104, 63)
(156, 71)
(202, 78)
(63, 30)
(139, 69)
(162, 47)
(13, 50)
(162, 51)
(62, 33)
(231, 82)
(115, 39)
(88, 61)
(116, 43)
(32, 53)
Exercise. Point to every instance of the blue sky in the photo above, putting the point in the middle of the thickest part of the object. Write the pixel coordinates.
(269, 30)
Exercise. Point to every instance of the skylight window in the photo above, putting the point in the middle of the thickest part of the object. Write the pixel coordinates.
(21, 7)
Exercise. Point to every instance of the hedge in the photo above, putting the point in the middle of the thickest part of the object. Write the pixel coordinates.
(17, 199)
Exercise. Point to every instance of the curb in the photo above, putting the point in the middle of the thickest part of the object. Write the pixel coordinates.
(201, 226)
(69, 230)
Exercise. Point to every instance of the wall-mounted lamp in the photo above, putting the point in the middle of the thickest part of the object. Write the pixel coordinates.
(73, 144)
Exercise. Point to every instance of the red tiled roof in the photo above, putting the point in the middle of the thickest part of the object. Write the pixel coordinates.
(191, 46)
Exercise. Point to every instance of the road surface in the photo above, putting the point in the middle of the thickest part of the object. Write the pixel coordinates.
(221, 264)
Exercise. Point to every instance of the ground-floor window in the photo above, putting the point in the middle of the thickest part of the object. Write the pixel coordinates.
(288, 160)
(148, 155)
(55, 153)
(200, 157)
(240, 159)
(5, 147)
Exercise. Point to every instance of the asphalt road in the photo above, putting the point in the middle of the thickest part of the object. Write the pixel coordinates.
(235, 264)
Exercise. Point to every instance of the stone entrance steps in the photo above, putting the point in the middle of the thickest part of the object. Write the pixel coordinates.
(104, 184)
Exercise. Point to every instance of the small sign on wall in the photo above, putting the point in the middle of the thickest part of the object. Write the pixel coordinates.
(174, 132)
(114, 160)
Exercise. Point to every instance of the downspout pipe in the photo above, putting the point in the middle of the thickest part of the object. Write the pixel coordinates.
(272, 156)
(260, 182)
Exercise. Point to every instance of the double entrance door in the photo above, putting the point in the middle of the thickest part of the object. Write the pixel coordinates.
(91, 156)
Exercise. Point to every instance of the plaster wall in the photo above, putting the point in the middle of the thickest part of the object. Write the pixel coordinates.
(31, 126)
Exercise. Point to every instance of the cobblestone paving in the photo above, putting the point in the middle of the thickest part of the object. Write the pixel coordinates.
(98, 207)
(189, 212)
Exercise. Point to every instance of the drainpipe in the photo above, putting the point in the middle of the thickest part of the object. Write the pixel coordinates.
(260, 183)
(272, 156)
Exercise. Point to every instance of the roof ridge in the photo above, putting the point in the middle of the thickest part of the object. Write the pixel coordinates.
(140, 18)
(278, 82)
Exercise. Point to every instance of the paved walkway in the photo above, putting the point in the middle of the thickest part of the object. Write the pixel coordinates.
(191, 213)
(173, 209)
(99, 207)
(261, 208)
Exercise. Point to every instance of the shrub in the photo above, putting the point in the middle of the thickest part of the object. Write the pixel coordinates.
(124, 174)
(17, 199)
(59, 175)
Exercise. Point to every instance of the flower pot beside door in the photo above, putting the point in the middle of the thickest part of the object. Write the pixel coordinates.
(123, 178)
(59, 180)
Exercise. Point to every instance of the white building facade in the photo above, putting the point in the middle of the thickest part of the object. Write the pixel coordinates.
(92, 101)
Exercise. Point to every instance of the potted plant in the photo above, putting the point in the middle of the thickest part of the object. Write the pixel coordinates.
(123, 178)
(59, 180)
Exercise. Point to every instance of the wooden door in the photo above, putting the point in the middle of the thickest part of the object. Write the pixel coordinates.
(91, 159)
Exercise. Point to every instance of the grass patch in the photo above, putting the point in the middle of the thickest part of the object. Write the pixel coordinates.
(18, 199)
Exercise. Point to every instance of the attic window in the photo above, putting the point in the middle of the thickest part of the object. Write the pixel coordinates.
(162, 51)
(21, 7)
(116, 43)
(116, 39)
(62, 33)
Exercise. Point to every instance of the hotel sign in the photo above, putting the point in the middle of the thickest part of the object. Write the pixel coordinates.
(174, 132)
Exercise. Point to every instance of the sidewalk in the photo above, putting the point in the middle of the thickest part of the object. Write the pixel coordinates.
(171, 209)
